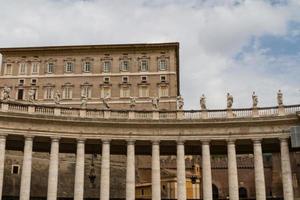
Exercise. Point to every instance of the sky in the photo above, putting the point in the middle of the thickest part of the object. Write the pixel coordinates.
(235, 46)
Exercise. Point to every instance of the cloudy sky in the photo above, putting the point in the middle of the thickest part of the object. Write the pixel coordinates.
(235, 46)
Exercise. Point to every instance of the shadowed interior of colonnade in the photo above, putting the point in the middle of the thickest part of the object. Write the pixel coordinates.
(143, 150)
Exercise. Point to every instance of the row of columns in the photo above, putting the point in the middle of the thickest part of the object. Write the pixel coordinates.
(156, 188)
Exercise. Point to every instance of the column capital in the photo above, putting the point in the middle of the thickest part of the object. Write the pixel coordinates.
(55, 138)
(106, 141)
(257, 140)
(231, 141)
(284, 139)
(130, 141)
(81, 140)
(155, 142)
(28, 137)
(180, 142)
(205, 141)
(3, 136)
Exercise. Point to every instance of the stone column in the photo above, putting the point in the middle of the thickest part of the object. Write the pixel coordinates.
(260, 187)
(232, 171)
(105, 170)
(155, 171)
(206, 171)
(181, 182)
(2, 161)
(130, 171)
(53, 170)
(26, 169)
(286, 170)
(79, 171)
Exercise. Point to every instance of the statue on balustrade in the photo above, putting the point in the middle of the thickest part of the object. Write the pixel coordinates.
(132, 102)
(155, 102)
(105, 101)
(279, 98)
(83, 101)
(229, 101)
(31, 95)
(203, 102)
(6, 93)
(57, 97)
(180, 103)
(254, 100)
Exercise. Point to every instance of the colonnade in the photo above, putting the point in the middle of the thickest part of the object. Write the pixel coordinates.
(130, 170)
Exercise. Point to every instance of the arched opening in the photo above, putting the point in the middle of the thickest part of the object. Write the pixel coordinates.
(215, 191)
(243, 192)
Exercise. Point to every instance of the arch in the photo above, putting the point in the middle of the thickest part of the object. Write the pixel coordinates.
(243, 193)
(215, 191)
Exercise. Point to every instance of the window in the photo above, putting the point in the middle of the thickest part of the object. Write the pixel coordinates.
(106, 66)
(15, 169)
(8, 69)
(163, 91)
(87, 67)
(50, 68)
(86, 91)
(22, 68)
(35, 68)
(125, 65)
(67, 93)
(49, 93)
(69, 67)
(144, 91)
(162, 65)
(105, 92)
(33, 81)
(125, 79)
(21, 82)
(163, 79)
(144, 79)
(125, 92)
(106, 80)
(144, 65)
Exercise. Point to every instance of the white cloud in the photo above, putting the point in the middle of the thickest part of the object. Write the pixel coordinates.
(210, 33)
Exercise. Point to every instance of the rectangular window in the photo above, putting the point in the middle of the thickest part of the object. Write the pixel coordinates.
(162, 65)
(15, 169)
(8, 69)
(125, 79)
(144, 91)
(49, 93)
(33, 81)
(35, 68)
(67, 93)
(144, 65)
(87, 67)
(106, 66)
(50, 68)
(144, 79)
(22, 68)
(163, 91)
(86, 91)
(21, 82)
(125, 65)
(125, 92)
(105, 92)
(69, 67)
(106, 80)
(163, 79)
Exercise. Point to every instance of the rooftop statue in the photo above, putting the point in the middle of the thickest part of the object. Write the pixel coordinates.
(83, 101)
(155, 102)
(105, 101)
(180, 103)
(279, 98)
(132, 102)
(229, 101)
(31, 95)
(57, 97)
(6, 93)
(203, 102)
(254, 100)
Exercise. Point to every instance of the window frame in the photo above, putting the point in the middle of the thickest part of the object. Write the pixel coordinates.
(69, 65)
(165, 65)
(85, 66)
(6, 69)
(146, 62)
(106, 68)
(22, 66)
(35, 65)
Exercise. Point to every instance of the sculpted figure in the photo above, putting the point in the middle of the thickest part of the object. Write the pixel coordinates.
(105, 101)
(254, 100)
(31, 94)
(229, 101)
(279, 98)
(57, 97)
(6, 93)
(180, 103)
(132, 102)
(203, 102)
(155, 102)
(83, 101)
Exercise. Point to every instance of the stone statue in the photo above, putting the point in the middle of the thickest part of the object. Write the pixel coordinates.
(254, 100)
(132, 102)
(83, 101)
(203, 102)
(57, 97)
(6, 93)
(105, 101)
(279, 98)
(31, 95)
(180, 103)
(155, 102)
(229, 101)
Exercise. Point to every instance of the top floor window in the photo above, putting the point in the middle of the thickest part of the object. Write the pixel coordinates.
(144, 65)
(106, 66)
(8, 69)
(35, 68)
(87, 66)
(69, 67)
(22, 69)
(162, 64)
(50, 68)
(125, 65)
